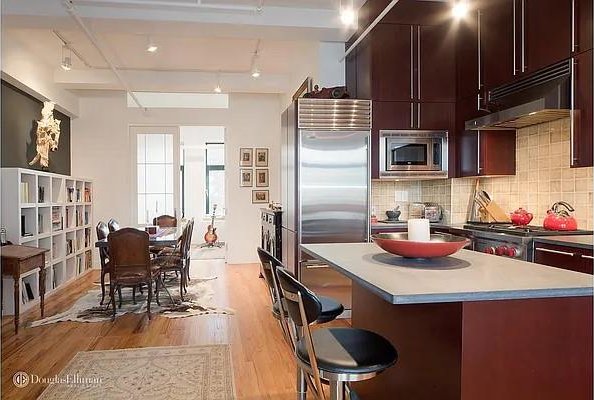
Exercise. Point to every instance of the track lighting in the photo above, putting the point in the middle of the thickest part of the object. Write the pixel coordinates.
(347, 12)
(217, 88)
(66, 58)
(254, 70)
(460, 9)
(255, 73)
(151, 46)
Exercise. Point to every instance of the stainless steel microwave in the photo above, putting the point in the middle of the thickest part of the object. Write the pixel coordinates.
(408, 154)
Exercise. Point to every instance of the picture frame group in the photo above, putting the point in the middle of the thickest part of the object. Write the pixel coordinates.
(259, 176)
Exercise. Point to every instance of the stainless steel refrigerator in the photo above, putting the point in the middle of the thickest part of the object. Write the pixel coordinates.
(325, 185)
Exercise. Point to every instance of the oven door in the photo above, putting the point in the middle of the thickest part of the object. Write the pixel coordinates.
(407, 154)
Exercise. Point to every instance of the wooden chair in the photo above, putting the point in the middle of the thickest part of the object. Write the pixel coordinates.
(175, 259)
(332, 355)
(113, 225)
(165, 221)
(102, 232)
(131, 264)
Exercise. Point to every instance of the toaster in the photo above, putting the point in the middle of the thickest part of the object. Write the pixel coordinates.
(432, 212)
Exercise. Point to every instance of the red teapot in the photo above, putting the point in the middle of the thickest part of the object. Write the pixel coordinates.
(559, 218)
(521, 217)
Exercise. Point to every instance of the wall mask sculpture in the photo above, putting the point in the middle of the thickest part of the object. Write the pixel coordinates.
(48, 135)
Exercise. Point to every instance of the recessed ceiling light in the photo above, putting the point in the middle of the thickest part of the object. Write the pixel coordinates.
(255, 73)
(460, 9)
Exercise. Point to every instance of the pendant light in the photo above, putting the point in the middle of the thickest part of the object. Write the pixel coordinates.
(217, 88)
(66, 58)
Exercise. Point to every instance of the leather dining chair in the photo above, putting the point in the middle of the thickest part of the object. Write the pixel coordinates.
(131, 264)
(113, 225)
(102, 232)
(165, 221)
(334, 355)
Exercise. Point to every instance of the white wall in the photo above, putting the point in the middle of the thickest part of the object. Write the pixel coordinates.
(101, 151)
(24, 69)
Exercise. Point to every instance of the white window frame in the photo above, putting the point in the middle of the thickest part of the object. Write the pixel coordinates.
(134, 131)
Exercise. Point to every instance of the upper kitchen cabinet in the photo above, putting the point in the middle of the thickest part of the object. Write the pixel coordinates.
(436, 63)
(581, 129)
(415, 12)
(486, 153)
(582, 28)
(392, 67)
(497, 63)
(545, 31)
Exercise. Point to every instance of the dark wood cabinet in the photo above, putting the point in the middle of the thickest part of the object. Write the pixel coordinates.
(433, 115)
(467, 79)
(547, 29)
(436, 63)
(392, 63)
(350, 65)
(565, 257)
(581, 130)
(486, 153)
(582, 19)
(498, 65)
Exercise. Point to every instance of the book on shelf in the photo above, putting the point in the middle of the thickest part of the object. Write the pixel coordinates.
(57, 219)
(24, 192)
(88, 259)
(87, 195)
(86, 217)
(69, 246)
(29, 291)
(41, 194)
(54, 280)
(70, 194)
(78, 197)
(40, 223)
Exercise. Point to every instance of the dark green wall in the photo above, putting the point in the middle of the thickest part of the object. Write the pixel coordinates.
(20, 112)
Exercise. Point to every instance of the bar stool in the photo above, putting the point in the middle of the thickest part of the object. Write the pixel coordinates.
(330, 307)
(337, 355)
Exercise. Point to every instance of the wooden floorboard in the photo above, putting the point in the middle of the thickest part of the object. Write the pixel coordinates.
(262, 363)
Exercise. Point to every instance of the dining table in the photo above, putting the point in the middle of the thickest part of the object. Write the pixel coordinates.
(165, 237)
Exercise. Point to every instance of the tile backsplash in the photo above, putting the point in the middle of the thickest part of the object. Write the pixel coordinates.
(543, 176)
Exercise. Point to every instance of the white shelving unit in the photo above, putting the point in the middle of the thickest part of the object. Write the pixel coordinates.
(63, 213)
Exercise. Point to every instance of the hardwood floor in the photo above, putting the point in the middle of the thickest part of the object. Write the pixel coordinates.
(262, 362)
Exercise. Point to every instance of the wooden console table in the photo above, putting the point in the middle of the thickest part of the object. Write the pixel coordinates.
(16, 261)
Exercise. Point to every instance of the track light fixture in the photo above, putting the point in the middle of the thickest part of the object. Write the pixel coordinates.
(151, 46)
(460, 9)
(347, 12)
(217, 88)
(254, 70)
(66, 58)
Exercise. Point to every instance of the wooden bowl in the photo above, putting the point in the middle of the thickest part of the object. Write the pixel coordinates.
(441, 245)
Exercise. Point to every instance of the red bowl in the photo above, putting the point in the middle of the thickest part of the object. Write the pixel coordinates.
(441, 245)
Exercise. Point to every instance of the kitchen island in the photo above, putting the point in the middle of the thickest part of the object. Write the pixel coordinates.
(470, 326)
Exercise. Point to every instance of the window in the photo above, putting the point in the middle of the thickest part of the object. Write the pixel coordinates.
(155, 175)
(215, 177)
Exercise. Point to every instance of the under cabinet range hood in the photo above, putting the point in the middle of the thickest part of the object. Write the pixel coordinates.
(541, 97)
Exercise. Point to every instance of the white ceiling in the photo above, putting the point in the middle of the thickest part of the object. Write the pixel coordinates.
(191, 39)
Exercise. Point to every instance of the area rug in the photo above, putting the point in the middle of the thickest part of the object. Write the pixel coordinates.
(198, 301)
(163, 373)
(208, 253)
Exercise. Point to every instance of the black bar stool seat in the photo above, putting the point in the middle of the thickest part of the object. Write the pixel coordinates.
(330, 309)
(348, 351)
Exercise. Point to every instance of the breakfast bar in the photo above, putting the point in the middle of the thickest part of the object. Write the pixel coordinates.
(470, 325)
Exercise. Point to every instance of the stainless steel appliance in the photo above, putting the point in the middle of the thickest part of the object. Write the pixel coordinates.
(408, 154)
(540, 97)
(325, 185)
(432, 212)
(509, 240)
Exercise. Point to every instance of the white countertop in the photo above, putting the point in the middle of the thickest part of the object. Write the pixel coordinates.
(464, 276)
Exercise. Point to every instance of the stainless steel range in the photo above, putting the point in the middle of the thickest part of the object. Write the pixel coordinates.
(509, 240)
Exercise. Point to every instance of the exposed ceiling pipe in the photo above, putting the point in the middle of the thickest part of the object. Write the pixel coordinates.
(369, 28)
(71, 48)
(73, 13)
(198, 5)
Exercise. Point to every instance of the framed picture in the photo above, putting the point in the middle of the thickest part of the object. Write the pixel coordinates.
(261, 157)
(246, 177)
(262, 177)
(246, 157)
(260, 196)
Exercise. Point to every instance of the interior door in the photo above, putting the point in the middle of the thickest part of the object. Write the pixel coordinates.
(155, 172)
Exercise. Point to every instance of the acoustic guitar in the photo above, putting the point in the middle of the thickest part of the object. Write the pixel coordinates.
(210, 237)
